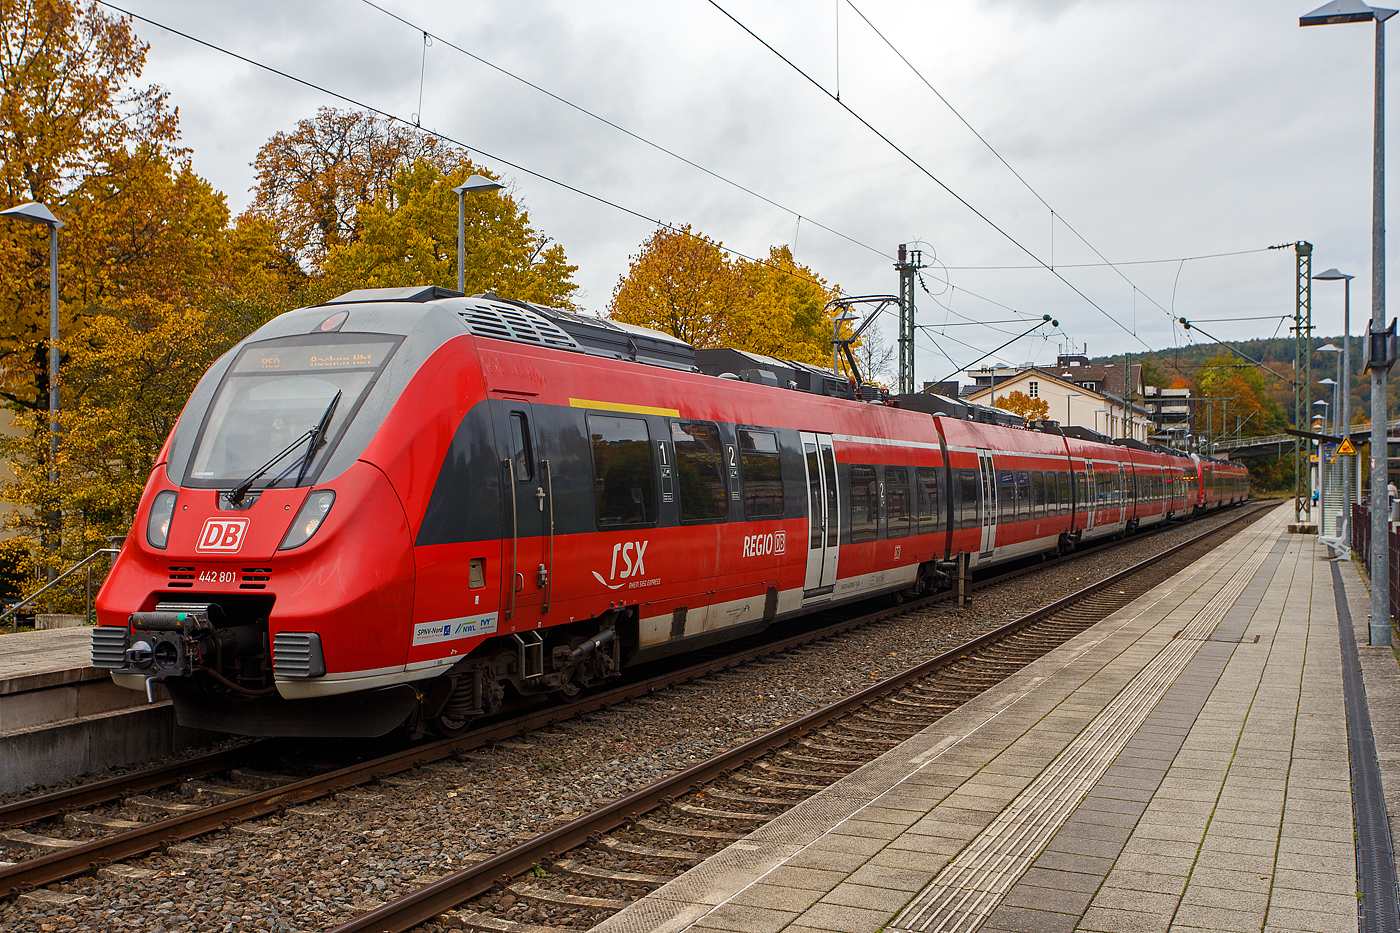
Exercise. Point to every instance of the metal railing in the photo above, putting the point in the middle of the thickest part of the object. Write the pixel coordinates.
(1361, 545)
(86, 562)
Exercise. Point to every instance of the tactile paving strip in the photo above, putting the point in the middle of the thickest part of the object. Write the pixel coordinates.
(969, 888)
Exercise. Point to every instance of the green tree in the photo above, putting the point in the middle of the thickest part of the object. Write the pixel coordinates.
(410, 238)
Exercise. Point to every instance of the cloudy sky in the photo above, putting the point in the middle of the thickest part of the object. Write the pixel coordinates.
(1157, 131)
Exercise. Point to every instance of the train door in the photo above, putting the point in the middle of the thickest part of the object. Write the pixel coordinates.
(528, 524)
(823, 514)
(989, 502)
(1090, 505)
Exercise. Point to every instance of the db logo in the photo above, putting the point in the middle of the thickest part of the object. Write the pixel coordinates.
(222, 534)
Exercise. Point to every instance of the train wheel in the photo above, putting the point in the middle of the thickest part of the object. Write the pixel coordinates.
(449, 727)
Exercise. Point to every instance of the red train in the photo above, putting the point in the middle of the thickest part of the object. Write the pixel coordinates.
(404, 505)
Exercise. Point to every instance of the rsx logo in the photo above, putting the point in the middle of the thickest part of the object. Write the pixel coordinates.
(222, 534)
(633, 554)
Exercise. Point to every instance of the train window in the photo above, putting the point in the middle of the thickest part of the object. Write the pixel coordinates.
(763, 474)
(1038, 494)
(522, 463)
(898, 514)
(624, 478)
(965, 498)
(277, 390)
(1023, 494)
(1006, 495)
(814, 479)
(864, 503)
(930, 503)
(1066, 493)
(699, 453)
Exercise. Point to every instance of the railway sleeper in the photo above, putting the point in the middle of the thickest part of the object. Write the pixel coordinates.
(542, 895)
(829, 776)
(851, 763)
(28, 840)
(885, 733)
(82, 819)
(143, 805)
(474, 920)
(709, 813)
(781, 785)
(598, 873)
(720, 794)
(688, 832)
(853, 739)
(212, 791)
(632, 848)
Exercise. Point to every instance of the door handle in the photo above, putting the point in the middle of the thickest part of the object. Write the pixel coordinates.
(539, 497)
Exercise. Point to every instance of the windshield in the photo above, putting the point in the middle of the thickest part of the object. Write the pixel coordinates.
(275, 392)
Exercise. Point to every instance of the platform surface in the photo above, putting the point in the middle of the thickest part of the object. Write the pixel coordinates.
(35, 660)
(1182, 765)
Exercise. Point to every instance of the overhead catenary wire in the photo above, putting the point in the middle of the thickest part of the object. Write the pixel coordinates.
(925, 171)
(622, 129)
(388, 115)
(1054, 215)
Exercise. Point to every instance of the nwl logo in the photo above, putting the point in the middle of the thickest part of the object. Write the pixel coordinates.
(222, 534)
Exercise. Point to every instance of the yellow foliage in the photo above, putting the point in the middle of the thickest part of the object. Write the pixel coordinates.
(411, 239)
(1019, 403)
(684, 284)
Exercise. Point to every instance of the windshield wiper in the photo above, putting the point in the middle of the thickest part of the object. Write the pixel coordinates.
(317, 437)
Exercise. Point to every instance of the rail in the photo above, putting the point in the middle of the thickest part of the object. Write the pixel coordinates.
(56, 866)
(85, 562)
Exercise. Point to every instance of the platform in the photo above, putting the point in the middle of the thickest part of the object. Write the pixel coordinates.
(60, 717)
(1182, 765)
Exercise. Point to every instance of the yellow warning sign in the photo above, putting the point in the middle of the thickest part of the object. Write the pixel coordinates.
(1312, 458)
(1347, 449)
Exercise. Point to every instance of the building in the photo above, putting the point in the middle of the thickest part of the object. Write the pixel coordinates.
(1070, 403)
(1167, 411)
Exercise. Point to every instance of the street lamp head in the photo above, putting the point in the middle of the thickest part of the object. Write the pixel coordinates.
(1332, 275)
(1329, 381)
(1344, 11)
(478, 183)
(1328, 348)
(34, 213)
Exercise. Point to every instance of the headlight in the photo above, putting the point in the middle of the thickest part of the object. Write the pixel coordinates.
(158, 523)
(308, 519)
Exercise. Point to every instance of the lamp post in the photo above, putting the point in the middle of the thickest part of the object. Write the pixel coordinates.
(1354, 11)
(35, 213)
(475, 183)
(1332, 406)
(1344, 390)
(1097, 412)
(1069, 411)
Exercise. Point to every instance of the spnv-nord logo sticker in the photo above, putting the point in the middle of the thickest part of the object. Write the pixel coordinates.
(222, 534)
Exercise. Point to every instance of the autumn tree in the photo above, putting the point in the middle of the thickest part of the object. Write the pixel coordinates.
(314, 181)
(1019, 403)
(1235, 398)
(409, 237)
(70, 107)
(684, 284)
(784, 314)
(680, 282)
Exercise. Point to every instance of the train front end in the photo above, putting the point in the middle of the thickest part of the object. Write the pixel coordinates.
(270, 564)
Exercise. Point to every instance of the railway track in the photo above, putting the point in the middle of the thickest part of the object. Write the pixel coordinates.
(674, 824)
(247, 793)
